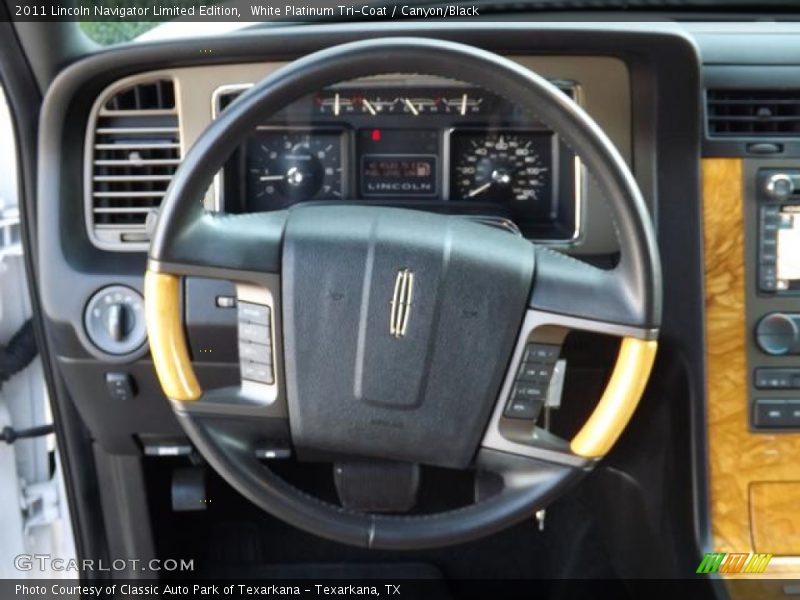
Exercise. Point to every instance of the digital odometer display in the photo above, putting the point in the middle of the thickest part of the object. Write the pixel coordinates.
(398, 175)
(398, 163)
(512, 167)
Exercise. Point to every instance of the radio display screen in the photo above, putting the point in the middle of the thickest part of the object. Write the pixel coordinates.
(788, 250)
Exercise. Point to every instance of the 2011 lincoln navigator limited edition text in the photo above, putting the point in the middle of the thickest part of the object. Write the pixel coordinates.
(378, 300)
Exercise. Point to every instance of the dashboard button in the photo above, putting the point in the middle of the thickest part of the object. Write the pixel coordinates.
(777, 379)
(120, 386)
(793, 412)
(773, 413)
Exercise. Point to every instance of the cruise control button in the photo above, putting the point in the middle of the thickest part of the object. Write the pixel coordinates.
(254, 313)
(251, 332)
(257, 372)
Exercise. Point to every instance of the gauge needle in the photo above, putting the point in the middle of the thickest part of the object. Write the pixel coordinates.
(411, 106)
(368, 105)
(480, 189)
(271, 177)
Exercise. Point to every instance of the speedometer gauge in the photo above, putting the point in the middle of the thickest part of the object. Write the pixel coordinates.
(286, 167)
(503, 166)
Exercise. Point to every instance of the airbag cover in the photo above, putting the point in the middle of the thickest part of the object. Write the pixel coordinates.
(415, 383)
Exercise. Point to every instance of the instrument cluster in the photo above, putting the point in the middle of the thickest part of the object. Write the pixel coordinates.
(447, 148)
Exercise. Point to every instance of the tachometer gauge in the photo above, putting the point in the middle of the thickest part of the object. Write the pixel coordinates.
(286, 167)
(504, 166)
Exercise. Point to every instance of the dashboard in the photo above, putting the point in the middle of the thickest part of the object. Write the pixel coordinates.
(424, 143)
(403, 140)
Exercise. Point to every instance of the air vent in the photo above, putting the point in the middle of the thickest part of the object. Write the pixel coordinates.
(753, 113)
(133, 151)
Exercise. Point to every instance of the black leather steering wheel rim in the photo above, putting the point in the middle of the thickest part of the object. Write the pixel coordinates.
(629, 296)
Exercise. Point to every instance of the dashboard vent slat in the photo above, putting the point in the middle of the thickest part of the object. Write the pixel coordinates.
(753, 113)
(133, 151)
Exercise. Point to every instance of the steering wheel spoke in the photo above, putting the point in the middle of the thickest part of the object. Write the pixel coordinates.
(508, 472)
(604, 300)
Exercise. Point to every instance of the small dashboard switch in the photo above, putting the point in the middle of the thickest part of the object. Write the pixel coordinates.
(120, 386)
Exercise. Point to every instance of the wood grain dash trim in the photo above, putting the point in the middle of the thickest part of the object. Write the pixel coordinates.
(737, 456)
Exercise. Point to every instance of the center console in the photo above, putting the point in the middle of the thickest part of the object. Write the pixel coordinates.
(772, 222)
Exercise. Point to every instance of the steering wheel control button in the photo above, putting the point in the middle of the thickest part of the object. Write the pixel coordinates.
(259, 353)
(255, 342)
(537, 372)
(120, 386)
(258, 372)
(546, 353)
(254, 313)
(251, 332)
(777, 333)
(532, 383)
(523, 409)
(114, 320)
(526, 401)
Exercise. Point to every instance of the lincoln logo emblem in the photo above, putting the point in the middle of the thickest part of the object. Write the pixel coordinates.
(401, 302)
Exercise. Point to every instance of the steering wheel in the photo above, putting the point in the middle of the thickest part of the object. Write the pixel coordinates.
(384, 334)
